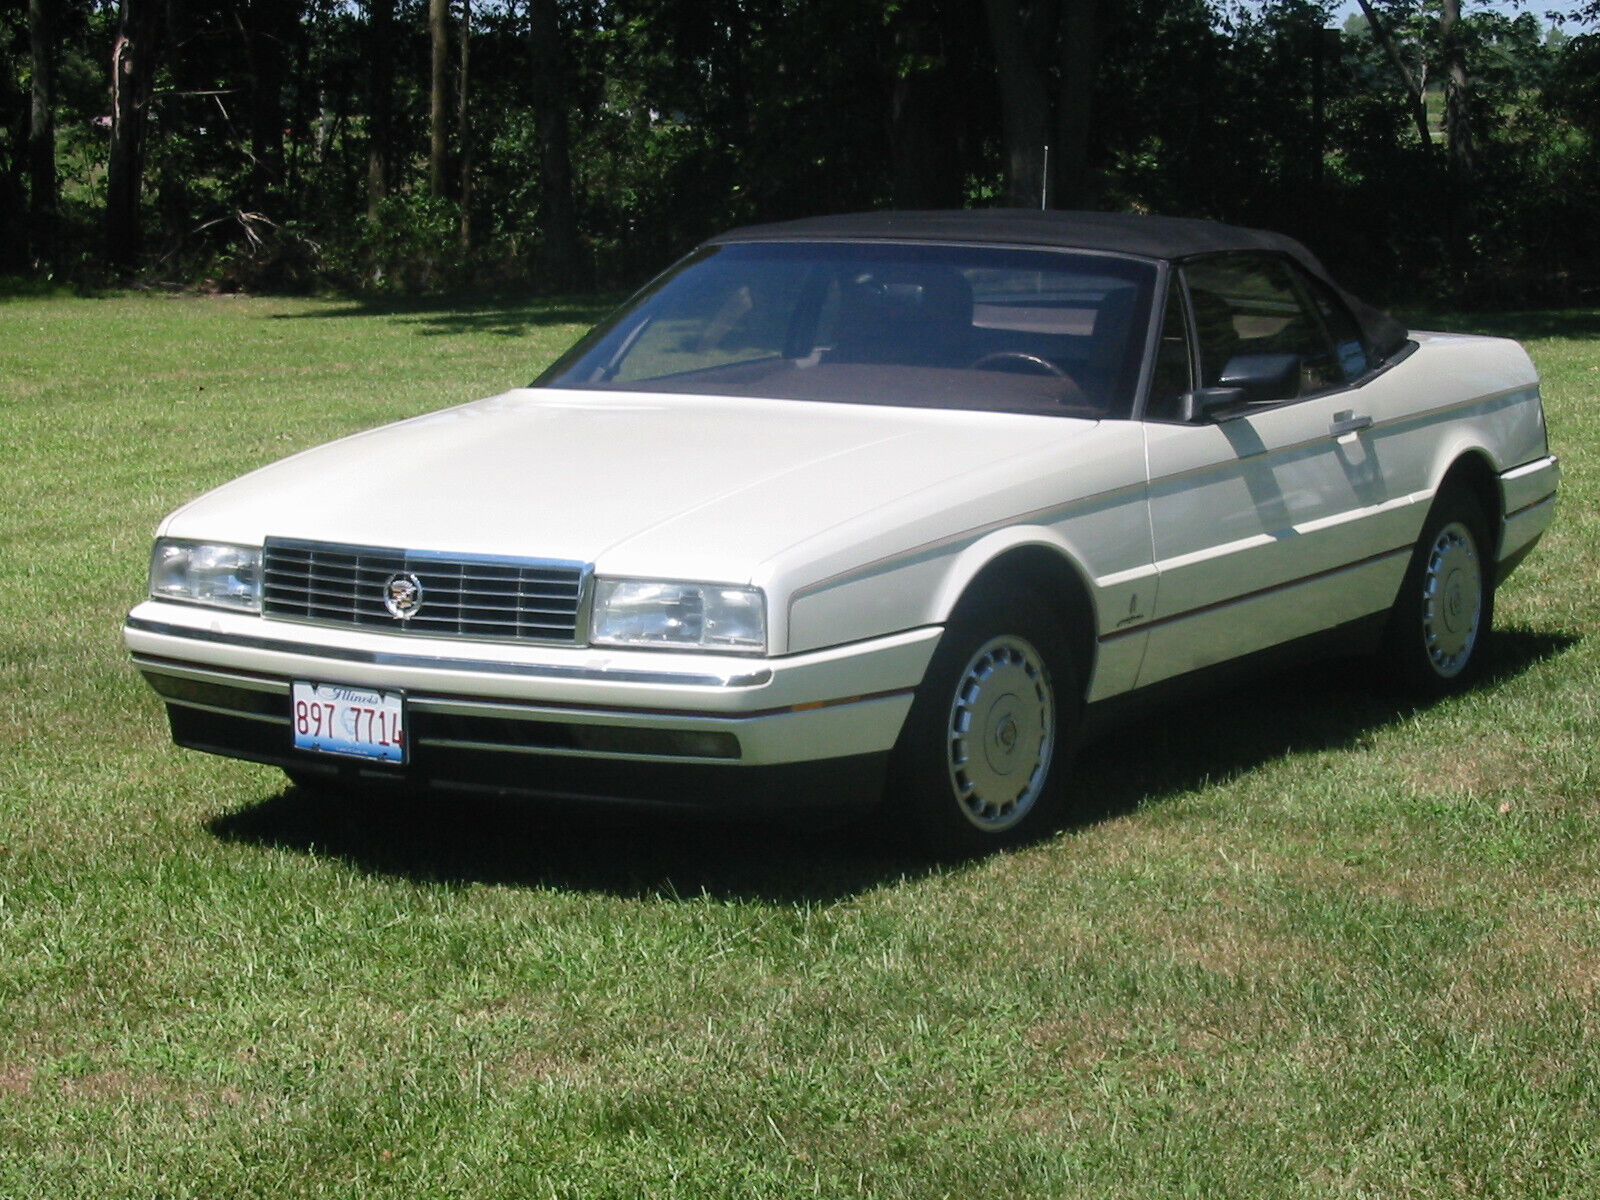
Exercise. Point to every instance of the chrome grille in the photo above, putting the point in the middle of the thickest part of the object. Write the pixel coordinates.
(500, 598)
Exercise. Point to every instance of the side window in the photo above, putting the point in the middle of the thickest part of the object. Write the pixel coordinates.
(1257, 326)
(1348, 347)
(1173, 374)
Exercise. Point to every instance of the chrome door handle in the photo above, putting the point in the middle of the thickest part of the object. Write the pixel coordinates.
(1349, 422)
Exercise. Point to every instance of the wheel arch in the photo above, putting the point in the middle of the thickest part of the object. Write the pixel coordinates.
(1039, 565)
(1439, 621)
(1473, 472)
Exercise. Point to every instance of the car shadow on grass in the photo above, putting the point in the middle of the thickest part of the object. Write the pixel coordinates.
(1167, 750)
(1328, 705)
(456, 839)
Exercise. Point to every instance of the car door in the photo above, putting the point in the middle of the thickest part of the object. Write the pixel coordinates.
(1267, 513)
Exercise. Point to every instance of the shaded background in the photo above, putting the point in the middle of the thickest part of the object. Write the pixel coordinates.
(1445, 148)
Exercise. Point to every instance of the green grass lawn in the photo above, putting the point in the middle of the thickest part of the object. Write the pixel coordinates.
(1311, 943)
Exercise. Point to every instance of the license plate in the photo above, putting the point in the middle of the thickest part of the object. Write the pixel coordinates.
(338, 719)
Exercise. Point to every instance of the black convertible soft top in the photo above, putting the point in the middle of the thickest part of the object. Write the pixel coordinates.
(1172, 239)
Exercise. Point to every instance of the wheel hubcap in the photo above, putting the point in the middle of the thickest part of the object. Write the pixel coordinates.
(1452, 600)
(1001, 734)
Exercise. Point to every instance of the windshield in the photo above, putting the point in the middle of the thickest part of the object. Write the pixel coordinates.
(973, 327)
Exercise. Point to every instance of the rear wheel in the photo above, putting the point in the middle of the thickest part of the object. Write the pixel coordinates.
(980, 762)
(1441, 619)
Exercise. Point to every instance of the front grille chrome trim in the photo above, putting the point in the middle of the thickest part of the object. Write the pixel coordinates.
(477, 597)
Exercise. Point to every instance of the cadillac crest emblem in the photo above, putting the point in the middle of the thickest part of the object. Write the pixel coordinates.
(402, 596)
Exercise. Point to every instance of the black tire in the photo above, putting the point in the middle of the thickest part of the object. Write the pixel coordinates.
(980, 763)
(1436, 640)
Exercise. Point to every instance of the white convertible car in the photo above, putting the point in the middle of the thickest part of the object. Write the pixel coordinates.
(887, 505)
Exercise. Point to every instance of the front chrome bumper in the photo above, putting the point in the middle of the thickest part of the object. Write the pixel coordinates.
(226, 681)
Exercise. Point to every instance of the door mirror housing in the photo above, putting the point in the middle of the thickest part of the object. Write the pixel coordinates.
(1248, 379)
(1263, 378)
(1209, 404)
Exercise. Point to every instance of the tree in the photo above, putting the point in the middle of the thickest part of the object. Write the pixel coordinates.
(380, 97)
(1413, 90)
(1079, 63)
(134, 56)
(547, 55)
(273, 25)
(438, 89)
(43, 197)
(1457, 90)
(931, 101)
(622, 131)
(464, 126)
(1016, 36)
(1047, 57)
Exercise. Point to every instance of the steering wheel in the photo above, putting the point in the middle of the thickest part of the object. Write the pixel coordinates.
(1019, 356)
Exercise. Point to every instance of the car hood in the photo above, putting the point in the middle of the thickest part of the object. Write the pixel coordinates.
(681, 486)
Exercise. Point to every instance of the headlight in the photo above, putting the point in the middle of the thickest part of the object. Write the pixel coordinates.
(692, 616)
(207, 573)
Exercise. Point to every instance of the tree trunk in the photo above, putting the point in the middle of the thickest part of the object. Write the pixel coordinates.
(133, 63)
(924, 142)
(1457, 92)
(1419, 110)
(464, 127)
(43, 195)
(555, 165)
(1079, 58)
(439, 69)
(380, 65)
(272, 26)
(1024, 103)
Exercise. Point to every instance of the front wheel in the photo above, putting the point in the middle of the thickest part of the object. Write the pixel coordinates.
(980, 762)
(1441, 619)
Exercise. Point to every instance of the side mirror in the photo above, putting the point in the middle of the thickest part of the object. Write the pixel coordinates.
(1209, 404)
(1262, 378)
(1247, 379)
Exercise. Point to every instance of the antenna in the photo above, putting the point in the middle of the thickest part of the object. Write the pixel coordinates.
(1044, 179)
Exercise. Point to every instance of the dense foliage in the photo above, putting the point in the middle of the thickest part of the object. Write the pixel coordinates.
(308, 144)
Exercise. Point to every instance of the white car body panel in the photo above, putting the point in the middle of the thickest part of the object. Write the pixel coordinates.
(1324, 499)
(864, 526)
(863, 522)
(514, 475)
